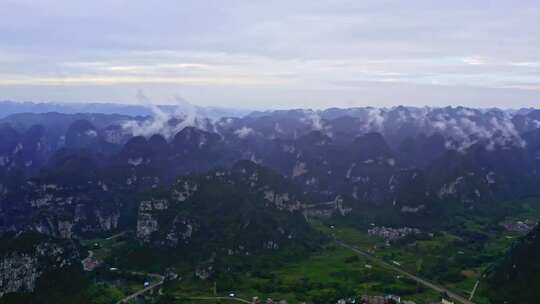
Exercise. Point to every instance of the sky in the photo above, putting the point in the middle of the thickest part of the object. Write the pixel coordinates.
(272, 54)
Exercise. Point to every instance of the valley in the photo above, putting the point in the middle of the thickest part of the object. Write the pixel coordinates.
(345, 211)
(352, 263)
(269, 152)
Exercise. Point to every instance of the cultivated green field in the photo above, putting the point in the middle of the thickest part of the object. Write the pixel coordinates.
(456, 254)
(324, 277)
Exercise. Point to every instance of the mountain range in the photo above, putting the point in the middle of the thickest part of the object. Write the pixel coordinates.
(247, 184)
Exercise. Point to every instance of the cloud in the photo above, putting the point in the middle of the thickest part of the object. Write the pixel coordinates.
(244, 132)
(165, 123)
(310, 50)
(474, 61)
(91, 133)
(314, 119)
(462, 127)
(375, 120)
(465, 127)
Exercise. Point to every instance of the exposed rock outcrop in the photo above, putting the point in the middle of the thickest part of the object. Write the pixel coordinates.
(27, 257)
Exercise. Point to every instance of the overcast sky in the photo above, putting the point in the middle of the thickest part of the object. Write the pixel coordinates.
(272, 54)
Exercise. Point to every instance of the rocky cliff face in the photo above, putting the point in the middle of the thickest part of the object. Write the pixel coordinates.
(150, 218)
(238, 211)
(59, 211)
(18, 272)
(85, 185)
(513, 276)
(25, 258)
(147, 222)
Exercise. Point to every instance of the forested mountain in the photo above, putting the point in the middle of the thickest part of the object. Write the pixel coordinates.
(203, 189)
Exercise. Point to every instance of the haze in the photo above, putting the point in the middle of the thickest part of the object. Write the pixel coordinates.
(273, 54)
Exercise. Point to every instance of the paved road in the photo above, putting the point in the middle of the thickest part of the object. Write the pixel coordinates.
(112, 237)
(452, 295)
(160, 281)
(220, 298)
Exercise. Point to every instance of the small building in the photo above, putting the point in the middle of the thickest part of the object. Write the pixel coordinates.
(90, 263)
(444, 301)
(388, 299)
(376, 300)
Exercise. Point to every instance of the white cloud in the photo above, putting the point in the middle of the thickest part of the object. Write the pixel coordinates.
(474, 61)
(244, 132)
(310, 50)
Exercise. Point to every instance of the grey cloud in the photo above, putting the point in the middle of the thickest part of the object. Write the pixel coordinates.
(267, 50)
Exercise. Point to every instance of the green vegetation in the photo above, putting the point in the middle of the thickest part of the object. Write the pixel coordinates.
(100, 294)
(24, 243)
(66, 286)
(456, 253)
(511, 280)
(102, 247)
(326, 276)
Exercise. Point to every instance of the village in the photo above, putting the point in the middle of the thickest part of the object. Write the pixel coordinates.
(392, 234)
(366, 299)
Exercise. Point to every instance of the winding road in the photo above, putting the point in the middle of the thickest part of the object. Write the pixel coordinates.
(150, 287)
(220, 298)
(112, 237)
(454, 296)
